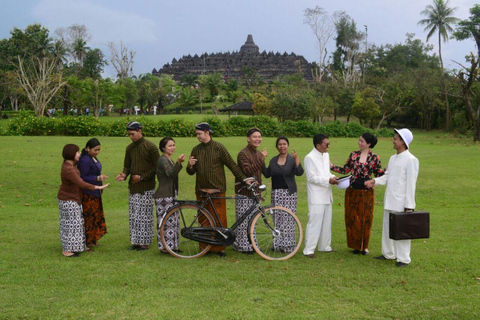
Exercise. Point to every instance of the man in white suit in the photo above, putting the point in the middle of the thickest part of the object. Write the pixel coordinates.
(319, 180)
(401, 179)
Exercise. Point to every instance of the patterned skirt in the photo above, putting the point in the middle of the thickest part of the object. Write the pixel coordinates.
(284, 222)
(242, 243)
(358, 217)
(141, 218)
(95, 226)
(72, 231)
(172, 226)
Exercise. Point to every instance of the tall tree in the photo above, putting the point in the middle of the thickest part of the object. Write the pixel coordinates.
(40, 80)
(80, 50)
(470, 28)
(439, 18)
(323, 28)
(347, 57)
(122, 60)
(470, 81)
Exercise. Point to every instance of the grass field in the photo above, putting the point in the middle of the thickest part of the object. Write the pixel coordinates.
(36, 282)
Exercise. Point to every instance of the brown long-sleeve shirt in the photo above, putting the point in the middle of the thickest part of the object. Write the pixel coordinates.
(141, 159)
(209, 169)
(72, 184)
(250, 160)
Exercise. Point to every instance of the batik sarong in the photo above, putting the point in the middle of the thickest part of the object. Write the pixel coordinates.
(141, 218)
(284, 222)
(172, 225)
(94, 218)
(72, 231)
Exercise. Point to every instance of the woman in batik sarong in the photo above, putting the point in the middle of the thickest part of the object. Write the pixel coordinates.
(282, 169)
(72, 231)
(359, 201)
(167, 175)
(91, 172)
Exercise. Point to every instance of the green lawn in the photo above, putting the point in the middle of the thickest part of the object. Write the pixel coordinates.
(115, 283)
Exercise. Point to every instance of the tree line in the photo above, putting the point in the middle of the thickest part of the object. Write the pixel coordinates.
(388, 84)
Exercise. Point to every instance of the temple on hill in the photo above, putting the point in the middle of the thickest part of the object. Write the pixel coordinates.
(268, 66)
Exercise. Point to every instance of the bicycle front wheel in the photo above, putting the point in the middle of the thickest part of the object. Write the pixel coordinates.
(182, 222)
(276, 233)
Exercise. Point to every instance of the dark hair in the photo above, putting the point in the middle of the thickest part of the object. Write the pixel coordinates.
(370, 138)
(92, 143)
(164, 142)
(252, 131)
(281, 138)
(69, 151)
(318, 138)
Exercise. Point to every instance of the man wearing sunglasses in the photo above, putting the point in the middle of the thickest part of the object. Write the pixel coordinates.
(319, 193)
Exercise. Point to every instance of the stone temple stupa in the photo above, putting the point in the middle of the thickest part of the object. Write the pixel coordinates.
(268, 66)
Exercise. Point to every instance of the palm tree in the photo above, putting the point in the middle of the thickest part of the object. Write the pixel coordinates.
(80, 50)
(60, 52)
(439, 19)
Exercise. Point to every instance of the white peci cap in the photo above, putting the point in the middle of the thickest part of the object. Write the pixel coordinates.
(406, 135)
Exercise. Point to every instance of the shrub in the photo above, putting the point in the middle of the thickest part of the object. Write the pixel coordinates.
(27, 124)
(299, 128)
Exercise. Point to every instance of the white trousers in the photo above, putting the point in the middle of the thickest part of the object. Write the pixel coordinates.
(319, 228)
(394, 249)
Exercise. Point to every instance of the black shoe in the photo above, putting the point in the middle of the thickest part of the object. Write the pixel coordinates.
(366, 252)
(401, 264)
(381, 258)
(311, 255)
(177, 251)
(221, 254)
(356, 251)
(141, 248)
(247, 252)
(134, 247)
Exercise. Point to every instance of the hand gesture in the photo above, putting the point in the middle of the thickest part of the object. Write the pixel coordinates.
(181, 158)
(102, 187)
(121, 177)
(102, 177)
(294, 154)
(192, 161)
(264, 153)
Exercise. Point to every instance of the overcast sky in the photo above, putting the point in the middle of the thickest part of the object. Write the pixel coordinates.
(159, 31)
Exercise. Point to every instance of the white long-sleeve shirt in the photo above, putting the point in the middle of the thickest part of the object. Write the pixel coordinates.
(317, 170)
(401, 179)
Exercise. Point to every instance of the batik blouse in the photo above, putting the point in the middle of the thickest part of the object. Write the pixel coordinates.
(360, 171)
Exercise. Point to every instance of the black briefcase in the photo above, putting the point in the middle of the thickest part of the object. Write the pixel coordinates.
(409, 225)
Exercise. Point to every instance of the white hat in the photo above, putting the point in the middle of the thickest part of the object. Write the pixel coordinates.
(406, 135)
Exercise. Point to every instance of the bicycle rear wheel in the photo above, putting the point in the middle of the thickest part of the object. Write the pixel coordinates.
(276, 233)
(180, 221)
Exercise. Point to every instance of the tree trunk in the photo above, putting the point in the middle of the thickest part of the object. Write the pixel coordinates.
(444, 85)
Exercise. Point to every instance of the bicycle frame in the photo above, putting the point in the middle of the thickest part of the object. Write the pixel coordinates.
(225, 232)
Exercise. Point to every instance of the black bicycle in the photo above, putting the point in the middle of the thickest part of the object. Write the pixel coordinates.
(188, 229)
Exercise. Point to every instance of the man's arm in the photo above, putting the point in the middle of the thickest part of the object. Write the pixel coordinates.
(192, 163)
(312, 176)
(411, 183)
(228, 161)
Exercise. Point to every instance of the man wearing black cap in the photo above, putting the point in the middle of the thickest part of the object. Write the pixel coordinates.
(140, 162)
(401, 179)
(208, 160)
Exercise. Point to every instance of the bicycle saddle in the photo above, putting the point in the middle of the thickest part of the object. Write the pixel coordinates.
(210, 191)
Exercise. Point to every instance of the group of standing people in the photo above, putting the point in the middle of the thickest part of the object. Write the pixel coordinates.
(82, 221)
